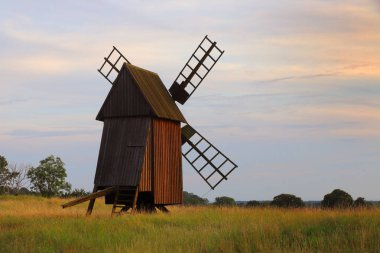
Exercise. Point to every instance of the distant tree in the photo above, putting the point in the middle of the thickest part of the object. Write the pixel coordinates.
(288, 201)
(193, 200)
(337, 199)
(19, 179)
(79, 192)
(224, 201)
(49, 178)
(76, 193)
(5, 175)
(361, 203)
(3, 163)
(253, 203)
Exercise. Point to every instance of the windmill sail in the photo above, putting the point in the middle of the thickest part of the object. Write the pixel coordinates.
(195, 70)
(210, 163)
(112, 64)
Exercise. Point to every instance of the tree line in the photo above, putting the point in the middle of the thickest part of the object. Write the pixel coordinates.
(336, 199)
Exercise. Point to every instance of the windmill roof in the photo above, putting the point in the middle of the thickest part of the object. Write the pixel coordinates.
(153, 91)
(156, 93)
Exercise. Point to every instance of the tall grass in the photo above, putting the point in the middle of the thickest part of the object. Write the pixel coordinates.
(34, 224)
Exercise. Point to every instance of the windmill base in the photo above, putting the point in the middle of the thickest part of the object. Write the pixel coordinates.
(122, 199)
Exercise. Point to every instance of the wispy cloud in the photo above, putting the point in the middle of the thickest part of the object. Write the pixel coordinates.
(12, 101)
(299, 77)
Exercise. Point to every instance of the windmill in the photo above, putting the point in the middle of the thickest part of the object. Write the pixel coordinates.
(140, 158)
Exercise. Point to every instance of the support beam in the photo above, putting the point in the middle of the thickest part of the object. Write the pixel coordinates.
(89, 197)
(115, 200)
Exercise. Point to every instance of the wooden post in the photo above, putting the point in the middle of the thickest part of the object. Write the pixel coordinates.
(115, 200)
(135, 199)
(162, 208)
(91, 204)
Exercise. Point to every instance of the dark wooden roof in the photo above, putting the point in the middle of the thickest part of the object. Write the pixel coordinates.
(139, 92)
(122, 149)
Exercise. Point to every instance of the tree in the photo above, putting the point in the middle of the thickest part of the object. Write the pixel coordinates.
(224, 201)
(5, 175)
(19, 180)
(337, 199)
(49, 178)
(192, 199)
(288, 201)
(360, 202)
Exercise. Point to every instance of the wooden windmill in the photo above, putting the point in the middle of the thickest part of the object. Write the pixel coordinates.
(140, 157)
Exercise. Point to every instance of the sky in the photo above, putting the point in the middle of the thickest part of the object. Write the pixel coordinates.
(294, 101)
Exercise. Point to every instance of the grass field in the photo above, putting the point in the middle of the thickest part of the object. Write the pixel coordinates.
(34, 224)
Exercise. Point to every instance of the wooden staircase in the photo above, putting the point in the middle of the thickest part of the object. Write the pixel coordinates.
(125, 199)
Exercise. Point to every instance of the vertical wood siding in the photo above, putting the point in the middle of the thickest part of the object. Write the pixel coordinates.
(146, 175)
(124, 99)
(167, 162)
(122, 149)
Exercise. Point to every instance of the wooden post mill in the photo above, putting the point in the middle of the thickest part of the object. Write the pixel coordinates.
(145, 136)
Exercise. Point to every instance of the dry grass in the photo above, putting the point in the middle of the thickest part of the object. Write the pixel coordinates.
(33, 224)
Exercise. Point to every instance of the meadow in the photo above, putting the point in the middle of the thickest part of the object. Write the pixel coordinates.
(36, 224)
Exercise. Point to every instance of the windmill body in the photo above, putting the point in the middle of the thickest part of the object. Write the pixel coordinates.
(141, 141)
(145, 136)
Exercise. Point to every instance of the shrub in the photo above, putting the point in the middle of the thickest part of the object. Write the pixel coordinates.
(224, 201)
(337, 199)
(287, 201)
(253, 203)
(361, 203)
(76, 193)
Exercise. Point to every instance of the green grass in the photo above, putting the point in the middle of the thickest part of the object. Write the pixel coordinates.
(34, 224)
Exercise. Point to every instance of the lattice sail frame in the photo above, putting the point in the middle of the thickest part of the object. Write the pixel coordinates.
(195, 70)
(210, 163)
(112, 64)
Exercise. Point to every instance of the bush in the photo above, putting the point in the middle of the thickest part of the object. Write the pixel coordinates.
(337, 199)
(76, 193)
(287, 201)
(361, 203)
(253, 203)
(24, 191)
(224, 201)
